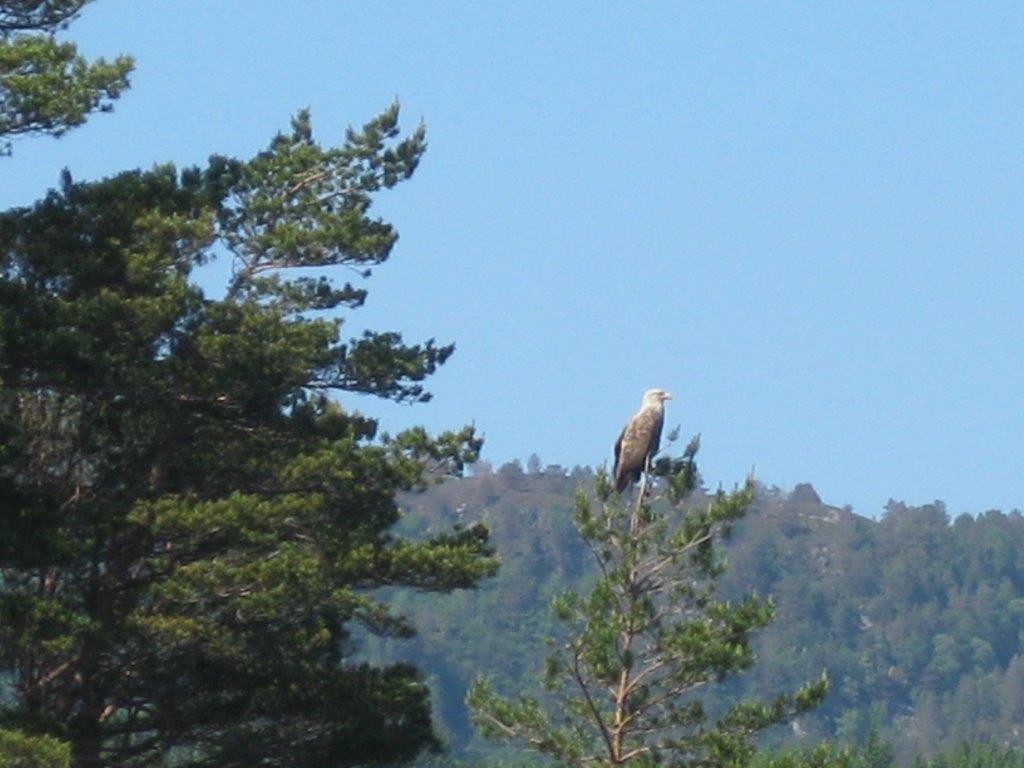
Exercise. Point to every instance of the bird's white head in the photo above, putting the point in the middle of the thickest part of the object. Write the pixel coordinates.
(656, 396)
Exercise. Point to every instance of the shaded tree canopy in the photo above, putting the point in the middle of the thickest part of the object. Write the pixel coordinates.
(191, 522)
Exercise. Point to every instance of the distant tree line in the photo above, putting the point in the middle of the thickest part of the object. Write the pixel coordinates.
(919, 619)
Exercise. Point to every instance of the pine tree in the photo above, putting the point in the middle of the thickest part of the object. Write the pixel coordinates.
(46, 86)
(625, 687)
(191, 523)
(20, 751)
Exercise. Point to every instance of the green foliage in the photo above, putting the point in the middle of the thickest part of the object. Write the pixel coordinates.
(975, 755)
(46, 86)
(192, 525)
(627, 685)
(18, 750)
(912, 616)
(875, 753)
(925, 654)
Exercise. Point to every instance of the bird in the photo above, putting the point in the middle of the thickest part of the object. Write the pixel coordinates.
(639, 439)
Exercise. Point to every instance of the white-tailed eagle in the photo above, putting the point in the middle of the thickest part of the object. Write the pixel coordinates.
(639, 439)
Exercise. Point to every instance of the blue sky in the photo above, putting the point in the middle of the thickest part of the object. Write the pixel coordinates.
(804, 219)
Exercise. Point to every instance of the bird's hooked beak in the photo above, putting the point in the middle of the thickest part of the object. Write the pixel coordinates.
(666, 396)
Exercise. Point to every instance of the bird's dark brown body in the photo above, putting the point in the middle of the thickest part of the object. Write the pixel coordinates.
(639, 439)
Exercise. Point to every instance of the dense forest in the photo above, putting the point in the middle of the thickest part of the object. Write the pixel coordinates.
(918, 619)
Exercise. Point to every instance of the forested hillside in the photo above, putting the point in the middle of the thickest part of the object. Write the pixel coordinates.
(918, 619)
